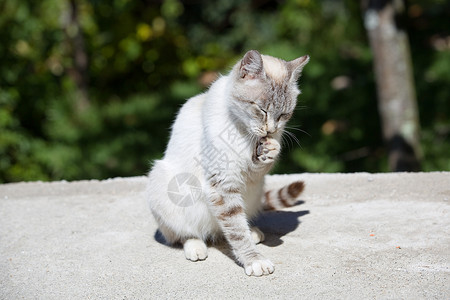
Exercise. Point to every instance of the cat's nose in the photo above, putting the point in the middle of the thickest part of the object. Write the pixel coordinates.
(270, 132)
(270, 127)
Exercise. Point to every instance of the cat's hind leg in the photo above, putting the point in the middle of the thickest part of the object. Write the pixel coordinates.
(195, 249)
(174, 223)
(179, 222)
(257, 235)
(170, 237)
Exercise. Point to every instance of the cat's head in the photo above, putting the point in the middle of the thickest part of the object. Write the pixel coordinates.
(264, 92)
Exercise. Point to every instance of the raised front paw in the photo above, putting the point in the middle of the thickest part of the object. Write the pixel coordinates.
(259, 267)
(267, 150)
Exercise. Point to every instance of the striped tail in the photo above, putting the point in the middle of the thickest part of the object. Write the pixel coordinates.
(284, 197)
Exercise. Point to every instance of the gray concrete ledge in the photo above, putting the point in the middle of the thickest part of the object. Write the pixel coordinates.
(352, 236)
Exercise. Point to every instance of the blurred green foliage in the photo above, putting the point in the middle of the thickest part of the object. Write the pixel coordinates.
(146, 57)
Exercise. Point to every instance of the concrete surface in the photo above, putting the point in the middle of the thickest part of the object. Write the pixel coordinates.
(352, 236)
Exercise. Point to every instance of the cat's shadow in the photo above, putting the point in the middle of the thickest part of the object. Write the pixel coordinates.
(274, 225)
(278, 223)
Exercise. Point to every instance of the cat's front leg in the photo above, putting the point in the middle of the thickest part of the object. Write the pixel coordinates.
(267, 150)
(227, 205)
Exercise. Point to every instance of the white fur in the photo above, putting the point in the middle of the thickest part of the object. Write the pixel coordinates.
(275, 68)
(195, 249)
(227, 143)
(201, 121)
(259, 268)
(257, 235)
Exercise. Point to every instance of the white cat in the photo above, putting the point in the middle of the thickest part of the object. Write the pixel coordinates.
(210, 182)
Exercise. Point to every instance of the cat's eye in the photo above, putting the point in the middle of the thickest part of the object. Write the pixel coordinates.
(284, 117)
(259, 107)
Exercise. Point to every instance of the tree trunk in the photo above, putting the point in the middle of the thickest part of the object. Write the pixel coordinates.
(395, 84)
(76, 46)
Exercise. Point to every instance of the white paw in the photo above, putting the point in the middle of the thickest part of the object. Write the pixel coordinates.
(267, 150)
(195, 249)
(259, 267)
(257, 235)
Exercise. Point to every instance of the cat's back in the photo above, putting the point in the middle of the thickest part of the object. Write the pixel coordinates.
(190, 112)
(187, 128)
(196, 117)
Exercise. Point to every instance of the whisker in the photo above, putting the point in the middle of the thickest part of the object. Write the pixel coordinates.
(286, 137)
(301, 107)
(292, 136)
(287, 141)
(298, 129)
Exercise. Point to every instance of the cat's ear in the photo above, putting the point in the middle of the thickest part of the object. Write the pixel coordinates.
(296, 66)
(251, 65)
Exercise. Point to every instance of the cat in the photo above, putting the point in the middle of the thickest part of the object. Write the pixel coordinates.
(209, 184)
